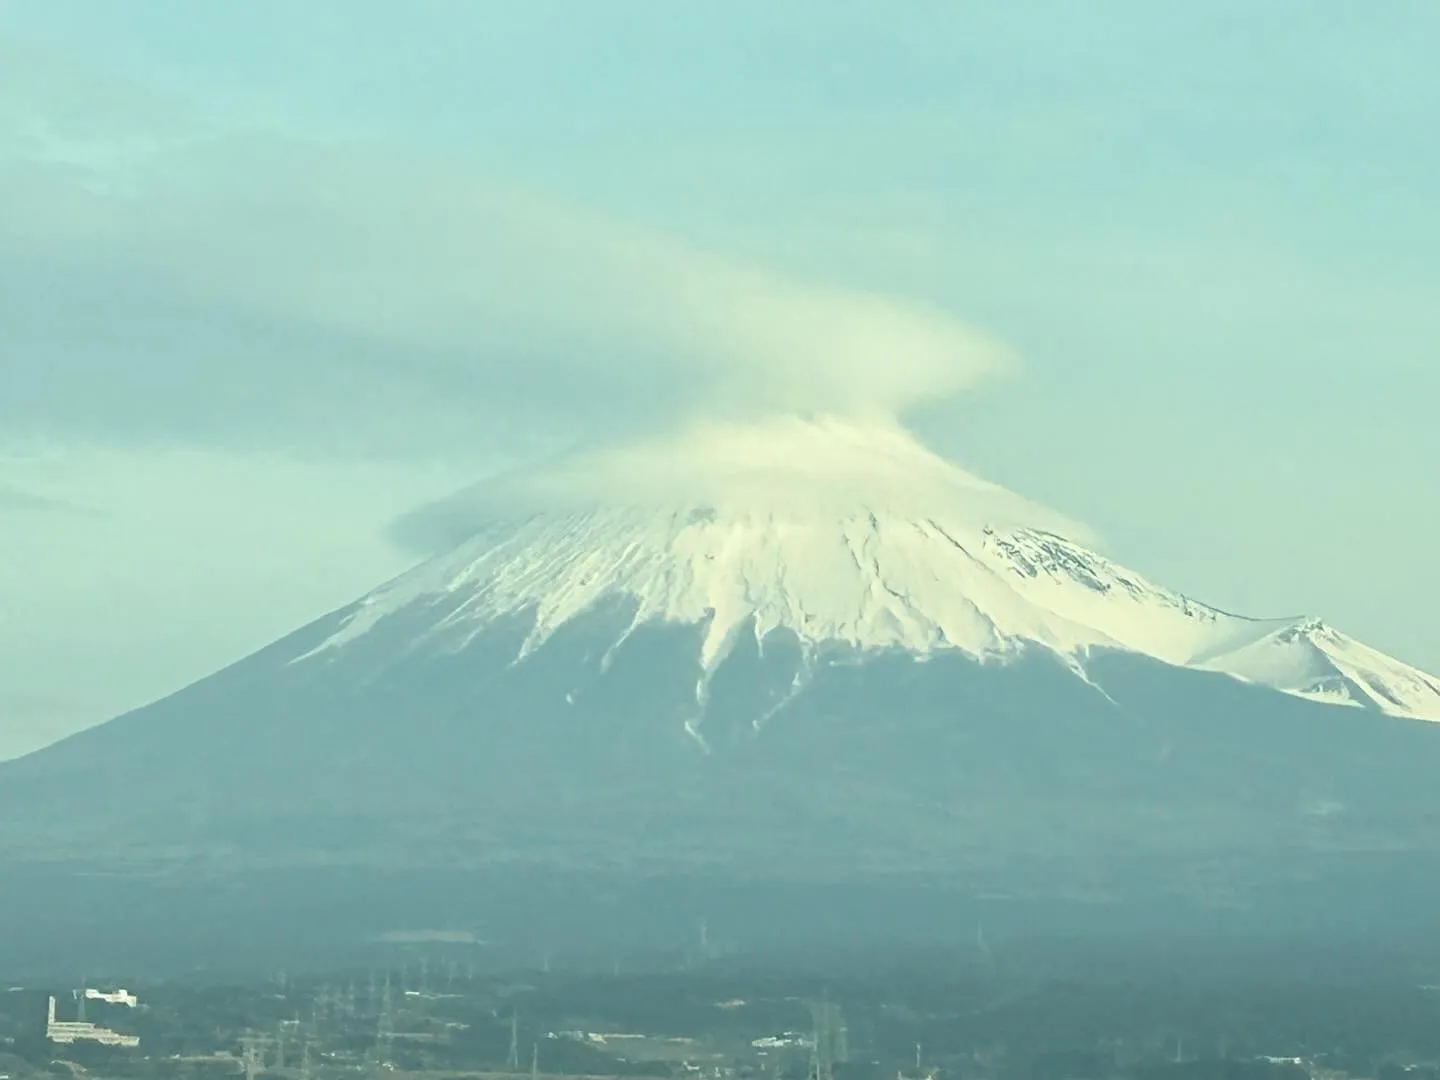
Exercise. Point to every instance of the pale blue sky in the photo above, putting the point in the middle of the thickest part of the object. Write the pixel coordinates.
(1209, 232)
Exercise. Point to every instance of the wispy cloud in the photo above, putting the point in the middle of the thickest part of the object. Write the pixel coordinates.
(223, 282)
(21, 501)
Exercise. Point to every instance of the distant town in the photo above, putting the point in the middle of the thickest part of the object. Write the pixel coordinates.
(438, 1015)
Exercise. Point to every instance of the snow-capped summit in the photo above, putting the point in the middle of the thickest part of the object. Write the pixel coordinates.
(855, 539)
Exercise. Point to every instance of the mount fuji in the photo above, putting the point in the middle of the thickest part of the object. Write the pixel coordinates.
(807, 650)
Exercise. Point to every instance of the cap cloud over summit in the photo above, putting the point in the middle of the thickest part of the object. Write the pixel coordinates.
(344, 293)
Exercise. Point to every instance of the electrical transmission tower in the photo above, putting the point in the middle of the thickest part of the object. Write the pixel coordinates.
(252, 1055)
(384, 1022)
(831, 1042)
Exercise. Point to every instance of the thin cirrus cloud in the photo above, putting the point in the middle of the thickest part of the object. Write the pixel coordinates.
(220, 283)
(19, 500)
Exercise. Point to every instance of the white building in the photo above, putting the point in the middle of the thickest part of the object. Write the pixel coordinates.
(68, 1032)
(113, 997)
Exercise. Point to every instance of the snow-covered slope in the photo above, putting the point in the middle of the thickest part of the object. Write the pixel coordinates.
(1313, 660)
(853, 538)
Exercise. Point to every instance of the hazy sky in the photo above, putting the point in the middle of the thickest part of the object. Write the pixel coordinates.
(274, 273)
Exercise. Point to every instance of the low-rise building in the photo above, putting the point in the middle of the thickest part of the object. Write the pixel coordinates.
(68, 1032)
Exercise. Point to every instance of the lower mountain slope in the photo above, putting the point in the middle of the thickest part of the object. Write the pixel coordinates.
(585, 756)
